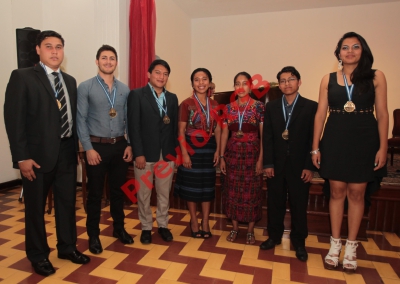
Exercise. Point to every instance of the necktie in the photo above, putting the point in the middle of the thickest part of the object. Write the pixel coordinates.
(62, 105)
(164, 106)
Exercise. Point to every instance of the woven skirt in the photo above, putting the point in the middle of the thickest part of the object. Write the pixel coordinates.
(198, 183)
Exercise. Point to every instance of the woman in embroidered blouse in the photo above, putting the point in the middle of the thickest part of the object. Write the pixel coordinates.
(242, 161)
(199, 139)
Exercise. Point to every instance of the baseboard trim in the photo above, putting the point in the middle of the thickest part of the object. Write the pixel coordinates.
(10, 184)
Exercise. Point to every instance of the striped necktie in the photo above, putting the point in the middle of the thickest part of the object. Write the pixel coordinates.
(62, 105)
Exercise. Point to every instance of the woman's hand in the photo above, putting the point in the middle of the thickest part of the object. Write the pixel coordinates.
(316, 159)
(380, 159)
(259, 167)
(222, 166)
(216, 158)
(187, 163)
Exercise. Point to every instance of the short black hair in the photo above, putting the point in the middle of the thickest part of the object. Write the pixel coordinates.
(106, 47)
(289, 69)
(45, 34)
(159, 62)
(208, 73)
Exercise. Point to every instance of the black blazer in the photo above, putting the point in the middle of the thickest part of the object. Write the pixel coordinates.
(32, 117)
(301, 130)
(147, 132)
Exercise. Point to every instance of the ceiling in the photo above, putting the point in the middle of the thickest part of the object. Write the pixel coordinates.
(216, 8)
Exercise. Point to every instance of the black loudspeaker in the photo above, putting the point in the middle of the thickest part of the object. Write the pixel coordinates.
(26, 47)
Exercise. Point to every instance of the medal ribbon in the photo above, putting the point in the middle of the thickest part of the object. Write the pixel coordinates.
(107, 94)
(160, 106)
(51, 82)
(207, 113)
(241, 115)
(348, 89)
(290, 114)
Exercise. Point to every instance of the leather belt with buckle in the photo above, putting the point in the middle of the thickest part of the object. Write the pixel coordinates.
(106, 140)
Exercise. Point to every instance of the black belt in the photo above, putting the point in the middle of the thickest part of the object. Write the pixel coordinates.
(106, 140)
(358, 111)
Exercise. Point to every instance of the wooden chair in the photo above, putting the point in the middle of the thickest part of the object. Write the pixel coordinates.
(394, 142)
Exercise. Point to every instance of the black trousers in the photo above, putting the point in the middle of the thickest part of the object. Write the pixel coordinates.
(63, 180)
(282, 185)
(112, 163)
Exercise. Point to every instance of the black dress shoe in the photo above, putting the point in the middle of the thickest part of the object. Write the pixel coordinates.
(95, 245)
(165, 234)
(75, 256)
(43, 267)
(123, 236)
(145, 237)
(269, 244)
(301, 254)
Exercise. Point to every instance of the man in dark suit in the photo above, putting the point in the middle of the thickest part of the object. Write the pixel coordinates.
(152, 130)
(288, 133)
(39, 114)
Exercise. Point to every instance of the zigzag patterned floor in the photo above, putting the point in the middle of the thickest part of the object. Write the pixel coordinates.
(186, 260)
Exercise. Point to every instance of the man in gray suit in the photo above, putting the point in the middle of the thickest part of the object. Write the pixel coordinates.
(152, 129)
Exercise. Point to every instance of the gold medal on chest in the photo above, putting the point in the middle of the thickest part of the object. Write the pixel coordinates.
(239, 134)
(166, 119)
(59, 104)
(285, 134)
(349, 106)
(112, 112)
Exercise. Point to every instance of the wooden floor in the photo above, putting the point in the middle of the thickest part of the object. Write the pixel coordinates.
(186, 260)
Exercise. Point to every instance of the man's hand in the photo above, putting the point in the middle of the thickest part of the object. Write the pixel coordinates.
(140, 162)
(128, 154)
(269, 172)
(26, 168)
(306, 175)
(93, 157)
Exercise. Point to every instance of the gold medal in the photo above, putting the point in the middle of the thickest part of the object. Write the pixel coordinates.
(285, 134)
(59, 104)
(112, 112)
(239, 134)
(349, 106)
(166, 119)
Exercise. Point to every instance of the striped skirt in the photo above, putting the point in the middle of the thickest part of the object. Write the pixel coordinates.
(198, 183)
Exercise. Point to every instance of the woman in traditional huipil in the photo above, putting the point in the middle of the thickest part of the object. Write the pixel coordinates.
(199, 139)
(242, 158)
(353, 149)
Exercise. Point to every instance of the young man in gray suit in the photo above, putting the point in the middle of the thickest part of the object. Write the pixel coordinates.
(152, 129)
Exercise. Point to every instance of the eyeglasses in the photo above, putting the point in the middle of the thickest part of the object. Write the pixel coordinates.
(284, 81)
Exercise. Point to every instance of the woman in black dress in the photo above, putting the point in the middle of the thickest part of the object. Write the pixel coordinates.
(353, 149)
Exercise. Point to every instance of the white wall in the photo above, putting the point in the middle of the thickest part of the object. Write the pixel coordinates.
(8, 58)
(264, 43)
(173, 44)
(85, 26)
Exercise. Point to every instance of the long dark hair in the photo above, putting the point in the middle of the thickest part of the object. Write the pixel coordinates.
(363, 75)
(208, 73)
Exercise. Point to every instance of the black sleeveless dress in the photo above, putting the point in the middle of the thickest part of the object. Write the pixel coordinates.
(350, 140)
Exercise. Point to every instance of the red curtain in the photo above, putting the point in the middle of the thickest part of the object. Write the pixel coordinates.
(142, 30)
